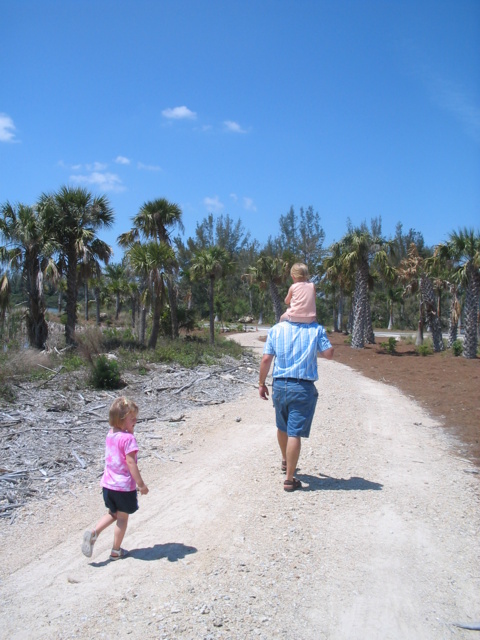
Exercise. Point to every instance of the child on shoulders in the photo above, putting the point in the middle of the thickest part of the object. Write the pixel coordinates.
(300, 297)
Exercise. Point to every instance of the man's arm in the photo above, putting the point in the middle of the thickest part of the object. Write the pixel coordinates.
(262, 376)
(327, 354)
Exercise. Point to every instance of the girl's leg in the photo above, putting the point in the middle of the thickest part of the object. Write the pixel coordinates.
(104, 522)
(120, 529)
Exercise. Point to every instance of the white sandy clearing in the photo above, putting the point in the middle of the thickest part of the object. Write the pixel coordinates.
(383, 542)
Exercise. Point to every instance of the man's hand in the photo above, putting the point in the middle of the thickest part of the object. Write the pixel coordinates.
(263, 391)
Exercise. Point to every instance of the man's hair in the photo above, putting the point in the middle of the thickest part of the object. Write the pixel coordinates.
(120, 409)
(299, 271)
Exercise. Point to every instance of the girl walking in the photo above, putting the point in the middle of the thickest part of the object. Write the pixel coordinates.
(120, 479)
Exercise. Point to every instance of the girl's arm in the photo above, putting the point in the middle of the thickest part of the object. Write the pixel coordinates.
(133, 468)
(289, 296)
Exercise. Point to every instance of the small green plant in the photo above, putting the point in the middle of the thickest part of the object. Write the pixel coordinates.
(424, 350)
(73, 362)
(390, 346)
(457, 348)
(348, 339)
(105, 373)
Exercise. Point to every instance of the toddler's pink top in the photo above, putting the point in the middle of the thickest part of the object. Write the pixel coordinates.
(302, 303)
(116, 474)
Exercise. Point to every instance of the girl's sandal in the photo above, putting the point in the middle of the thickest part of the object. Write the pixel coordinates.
(89, 539)
(118, 554)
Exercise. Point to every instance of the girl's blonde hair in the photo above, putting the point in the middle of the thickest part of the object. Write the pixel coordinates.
(120, 409)
(299, 271)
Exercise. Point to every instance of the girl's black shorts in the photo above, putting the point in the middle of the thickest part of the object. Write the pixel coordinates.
(125, 501)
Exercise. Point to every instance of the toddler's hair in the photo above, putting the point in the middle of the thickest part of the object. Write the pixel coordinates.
(299, 271)
(120, 409)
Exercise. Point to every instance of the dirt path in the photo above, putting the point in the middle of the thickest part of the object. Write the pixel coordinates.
(382, 544)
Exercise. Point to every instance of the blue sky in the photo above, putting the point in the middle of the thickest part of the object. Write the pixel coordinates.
(358, 108)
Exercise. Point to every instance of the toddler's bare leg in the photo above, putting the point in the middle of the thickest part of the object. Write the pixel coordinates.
(120, 529)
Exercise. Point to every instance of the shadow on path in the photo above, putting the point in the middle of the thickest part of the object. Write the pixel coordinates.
(173, 551)
(327, 483)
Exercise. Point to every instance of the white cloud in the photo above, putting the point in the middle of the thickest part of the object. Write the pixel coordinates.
(7, 128)
(248, 204)
(148, 167)
(104, 181)
(96, 166)
(122, 160)
(455, 100)
(179, 113)
(234, 197)
(230, 125)
(213, 205)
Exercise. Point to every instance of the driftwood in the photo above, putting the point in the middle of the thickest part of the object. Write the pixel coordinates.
(53, 435)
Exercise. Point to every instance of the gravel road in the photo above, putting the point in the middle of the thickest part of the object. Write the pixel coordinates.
(383, 542)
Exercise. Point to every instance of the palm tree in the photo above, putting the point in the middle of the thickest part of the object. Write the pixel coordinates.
(89, 270)
(117, 283)
(73, 216)
(211, 263)
(338, 276)
(269, 272)
(463, 248)
(413, 272)
(155, 221)
(27, 248)
(360, 250)
(151, 261)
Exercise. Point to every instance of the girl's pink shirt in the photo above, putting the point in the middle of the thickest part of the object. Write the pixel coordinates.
(116, 474)
(302, 303)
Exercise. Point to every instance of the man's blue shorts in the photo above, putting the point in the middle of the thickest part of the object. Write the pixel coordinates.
(294, 402)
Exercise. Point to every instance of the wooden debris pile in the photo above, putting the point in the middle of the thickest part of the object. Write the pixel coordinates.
(53, 435)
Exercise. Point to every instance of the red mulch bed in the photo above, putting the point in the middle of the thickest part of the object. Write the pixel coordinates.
(445, 385)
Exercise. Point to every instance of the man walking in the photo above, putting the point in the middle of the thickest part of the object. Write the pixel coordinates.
(295, 347)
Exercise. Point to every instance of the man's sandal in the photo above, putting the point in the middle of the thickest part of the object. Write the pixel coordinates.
(89, 539)
(118, 554)
(284, 466)
(292, 485)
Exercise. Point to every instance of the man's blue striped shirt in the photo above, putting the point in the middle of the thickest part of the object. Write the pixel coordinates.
(295, 346)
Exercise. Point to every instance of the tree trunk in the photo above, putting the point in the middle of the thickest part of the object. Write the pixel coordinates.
(172, 300)
(369, 333)
(157, 310)
(85, 291)
(276, 300)
(419, 338)
(143, 324)
(117, 304)
(359, 306)
(453, 319)
(390, 315)
(472, 295)
(96, 293)
(433, 319)
(211, 313)
(37, 328)
(134, 310)
(71, 306)
(340, 310)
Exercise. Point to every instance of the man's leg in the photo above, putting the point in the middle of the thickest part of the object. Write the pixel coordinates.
(290, 448)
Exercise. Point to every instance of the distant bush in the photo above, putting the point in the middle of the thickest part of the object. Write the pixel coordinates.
(105, 373)
(390, 346)
(457, 348)
(424, 350)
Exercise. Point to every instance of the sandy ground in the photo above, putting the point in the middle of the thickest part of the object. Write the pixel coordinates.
(383, 542)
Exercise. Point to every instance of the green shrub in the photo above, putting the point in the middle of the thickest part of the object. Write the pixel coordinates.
(105, 373)
(73, 362)
(390, 346)
(457, 348)
(424, 350)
